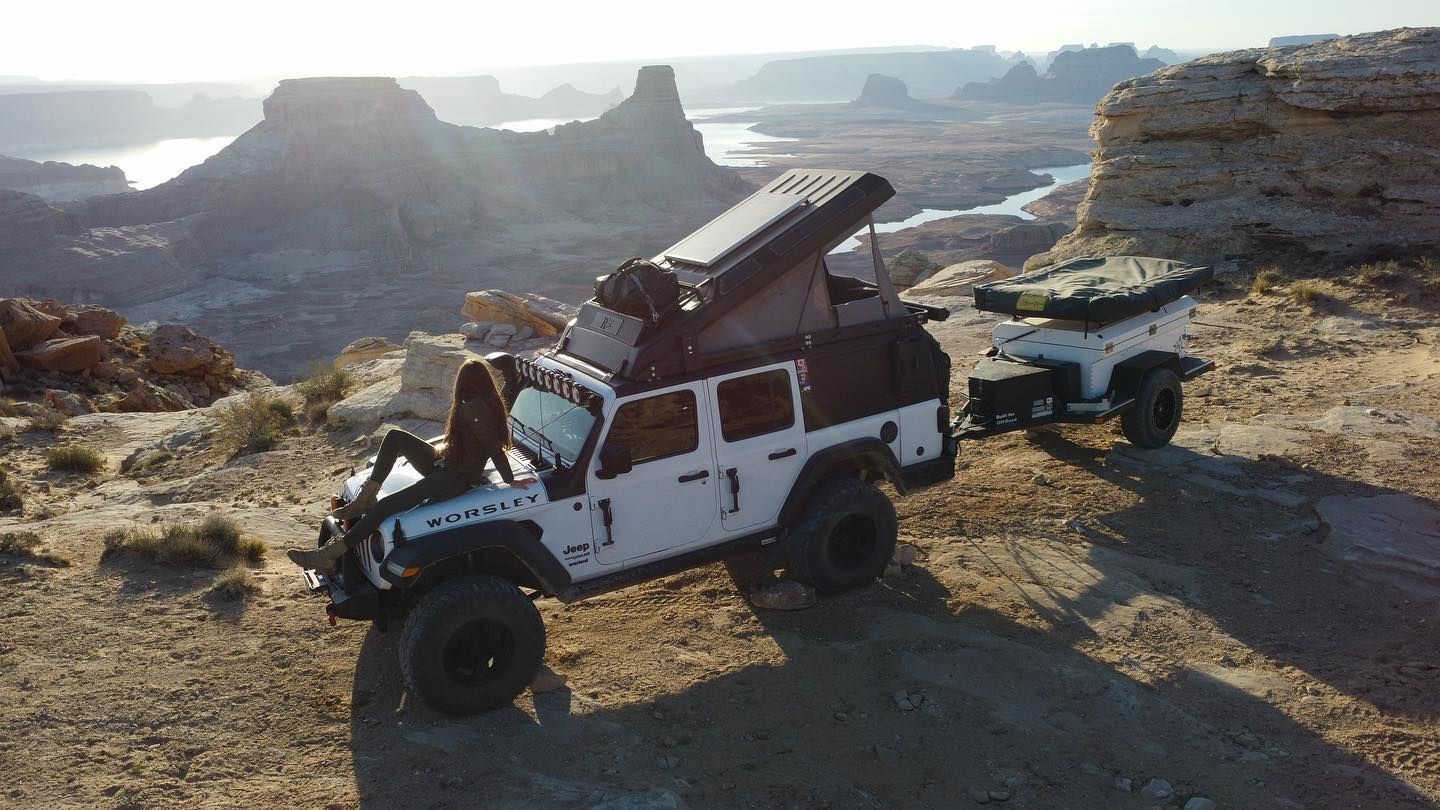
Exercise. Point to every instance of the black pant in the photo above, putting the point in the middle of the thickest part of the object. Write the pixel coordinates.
(438, 484)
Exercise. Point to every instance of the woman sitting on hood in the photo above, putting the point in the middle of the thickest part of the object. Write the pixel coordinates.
(477, 433)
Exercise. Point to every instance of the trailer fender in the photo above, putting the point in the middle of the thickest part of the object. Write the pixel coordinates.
(1125, 379)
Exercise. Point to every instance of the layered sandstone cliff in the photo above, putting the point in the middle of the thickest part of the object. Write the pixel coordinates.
(1324, 152)
(60, 182)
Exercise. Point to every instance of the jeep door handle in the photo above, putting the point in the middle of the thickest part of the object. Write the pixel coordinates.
(779, 454)
(734, 475)
(695, 476)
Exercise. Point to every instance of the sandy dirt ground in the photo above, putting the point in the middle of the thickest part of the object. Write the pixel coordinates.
(1082, 618)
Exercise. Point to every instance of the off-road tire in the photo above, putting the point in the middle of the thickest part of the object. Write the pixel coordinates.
(1153, 420)
(845, 536)
(472, 644)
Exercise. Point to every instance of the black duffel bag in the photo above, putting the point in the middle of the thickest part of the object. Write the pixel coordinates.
(640, 289)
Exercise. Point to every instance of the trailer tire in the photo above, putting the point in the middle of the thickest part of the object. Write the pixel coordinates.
(1159, 404)
(845, 536)
(472, 644)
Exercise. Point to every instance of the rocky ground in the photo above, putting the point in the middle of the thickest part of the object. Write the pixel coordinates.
(1246, 617)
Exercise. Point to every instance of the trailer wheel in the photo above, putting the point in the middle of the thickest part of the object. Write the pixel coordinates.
(844, 537)
(1153, 420)
(471, 645)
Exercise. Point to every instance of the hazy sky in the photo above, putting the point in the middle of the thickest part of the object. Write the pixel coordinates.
(174, 40)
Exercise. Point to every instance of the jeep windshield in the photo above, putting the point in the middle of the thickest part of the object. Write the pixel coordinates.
(552, 425)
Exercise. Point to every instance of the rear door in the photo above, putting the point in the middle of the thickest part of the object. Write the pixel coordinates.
(759, 439)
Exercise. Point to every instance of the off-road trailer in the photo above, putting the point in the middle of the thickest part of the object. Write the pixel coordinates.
(749, 410)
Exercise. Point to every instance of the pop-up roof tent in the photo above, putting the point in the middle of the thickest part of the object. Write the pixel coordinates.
(754, 282)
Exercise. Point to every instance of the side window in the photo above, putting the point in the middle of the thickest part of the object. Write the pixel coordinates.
(657, 427)
(755, 405)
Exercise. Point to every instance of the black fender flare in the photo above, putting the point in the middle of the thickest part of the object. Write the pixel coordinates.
(1125, 379)
(857, 455)
(520, 539)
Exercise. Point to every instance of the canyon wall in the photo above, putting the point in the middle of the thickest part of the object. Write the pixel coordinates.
(1317, 153)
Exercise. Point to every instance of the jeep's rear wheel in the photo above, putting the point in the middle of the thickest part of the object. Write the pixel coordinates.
(844, 537)
(472, 644)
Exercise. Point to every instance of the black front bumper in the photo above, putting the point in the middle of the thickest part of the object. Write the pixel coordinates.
(351, 594)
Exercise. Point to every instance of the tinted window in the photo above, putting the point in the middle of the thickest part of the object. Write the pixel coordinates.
(656, 427)
(755, 405)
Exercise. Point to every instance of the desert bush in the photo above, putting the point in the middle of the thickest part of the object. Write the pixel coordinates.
(1265, 279)
(215, 541)
(48, 421)
(10, 498)
(235, 583)
(1377, 273)
(74, 458)
(27, 545)
(324, 384)
(253, 425)
(1304, 293)
(150, 460)
(1429, 271)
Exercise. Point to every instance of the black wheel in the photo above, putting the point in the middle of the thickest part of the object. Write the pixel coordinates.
(1156, 415)
(845, 536)
(472, 644)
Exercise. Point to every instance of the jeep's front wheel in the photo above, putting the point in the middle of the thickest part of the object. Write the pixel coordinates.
(471, 644)
(844, 537)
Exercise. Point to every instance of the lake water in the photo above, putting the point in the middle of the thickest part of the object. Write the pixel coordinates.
(1012, 205)
(146, 165)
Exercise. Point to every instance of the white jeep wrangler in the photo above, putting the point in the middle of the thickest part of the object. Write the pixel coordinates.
(750, 404)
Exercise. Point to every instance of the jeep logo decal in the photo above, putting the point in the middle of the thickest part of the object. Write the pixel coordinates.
(487, 509)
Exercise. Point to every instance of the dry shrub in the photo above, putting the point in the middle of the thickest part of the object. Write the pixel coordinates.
(10, 499)
(74, 458)
(253, 425)
(7, 407)
(235, 583)
(1304, 293)
(48, 421)
(27, 546)
(324, 384)
(214, 542)
(1265, 279)
(1378, 273)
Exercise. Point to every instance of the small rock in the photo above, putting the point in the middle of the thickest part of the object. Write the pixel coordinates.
(841, 716)
(904, 555)
(902, 700)
(1074, 525)
(1040, 480)
(1156, 789)
(999, 794)
(979, 794)
(547, 680)
(476, 330)
(1199, 803)
(498, 341)
(892, 571)
(667, 762)
(1123, 784)
(787, 595)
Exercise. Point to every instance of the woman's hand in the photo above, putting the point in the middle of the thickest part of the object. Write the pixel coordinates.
(524, 483)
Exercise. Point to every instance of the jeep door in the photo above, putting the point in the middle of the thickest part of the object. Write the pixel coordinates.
(667, 498)
(759, 436)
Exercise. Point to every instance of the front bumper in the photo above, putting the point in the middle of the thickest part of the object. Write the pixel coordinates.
(351, 594)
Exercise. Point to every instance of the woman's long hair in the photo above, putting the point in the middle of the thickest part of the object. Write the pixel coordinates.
(478, 425)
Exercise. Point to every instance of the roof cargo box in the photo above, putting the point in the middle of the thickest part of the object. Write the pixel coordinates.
(753, 281)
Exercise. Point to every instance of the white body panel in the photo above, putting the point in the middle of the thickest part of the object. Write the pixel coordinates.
(1097, 349)
(920, 436)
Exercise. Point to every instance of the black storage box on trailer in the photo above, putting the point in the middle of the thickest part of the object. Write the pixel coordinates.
(1004, 393)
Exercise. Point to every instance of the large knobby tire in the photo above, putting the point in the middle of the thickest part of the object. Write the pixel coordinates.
(471, 644)
(1153, 420)
(845, 536)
